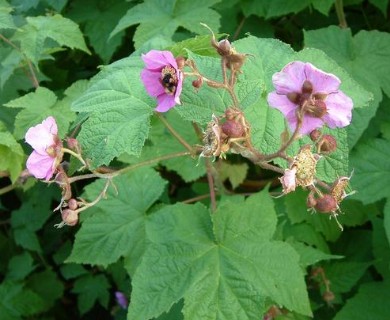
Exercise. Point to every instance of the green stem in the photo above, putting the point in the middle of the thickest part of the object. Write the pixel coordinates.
(113, 174)
(74, 154)
(7, 189)
(175, 133)
(340, 13)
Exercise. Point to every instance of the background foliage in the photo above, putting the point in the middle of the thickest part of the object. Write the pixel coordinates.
(78, 60)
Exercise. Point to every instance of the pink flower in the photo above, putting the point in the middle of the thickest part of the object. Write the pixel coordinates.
(162, 78)
(304, 91)
(288, 180)
(47, 153)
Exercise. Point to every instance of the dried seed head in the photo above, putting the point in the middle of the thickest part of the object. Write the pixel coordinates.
(305, 162)
(213, 145)
(338, 189)
(326, 204)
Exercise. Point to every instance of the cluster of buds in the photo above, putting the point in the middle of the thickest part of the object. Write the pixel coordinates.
(325, 143)
(318, 274)
(222, 132)
(232, 59)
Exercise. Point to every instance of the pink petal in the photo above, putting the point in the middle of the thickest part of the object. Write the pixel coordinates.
(281, 102)
(40, 166)
(179, 87)
(308, 124)
(42, 135)
(339, 110)
(165, 102)
(288, 180)
(322, 82)
(151, 80)
(156, 60)
(290, 79)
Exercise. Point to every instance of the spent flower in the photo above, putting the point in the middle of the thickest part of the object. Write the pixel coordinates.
(162, 78)
(311, 96)
(47, 154)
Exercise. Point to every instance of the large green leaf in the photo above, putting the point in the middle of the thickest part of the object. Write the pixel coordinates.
(99, 19)
(371, 302)
(37, 106)
(225, 267)
(34, 35)
(17, 302)
(91, 289)
(161, 18)
(6, 21)
(11, 155)
(371, 170)
(118, 227)
(119, 112)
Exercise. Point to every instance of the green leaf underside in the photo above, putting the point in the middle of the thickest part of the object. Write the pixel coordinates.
(119, 112)
(223, 272)
(118, 227)
(159, 18)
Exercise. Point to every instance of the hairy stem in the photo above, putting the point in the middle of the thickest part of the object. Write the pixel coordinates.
(340, 13)
(33, 76)
(210, 180)
(175, 133)
(7, 188)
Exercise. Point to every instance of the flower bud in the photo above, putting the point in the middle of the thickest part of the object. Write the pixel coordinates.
(326, 203)
(328, 296)
(180, 62)
(233, 129)
(224, 48)
(72, 143)
(70, 217)
(327, 144)
(197, 83)
(315, 135)
(72, 204)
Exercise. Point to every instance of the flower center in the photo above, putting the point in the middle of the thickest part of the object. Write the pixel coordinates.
(309, 102)
(169, 79)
